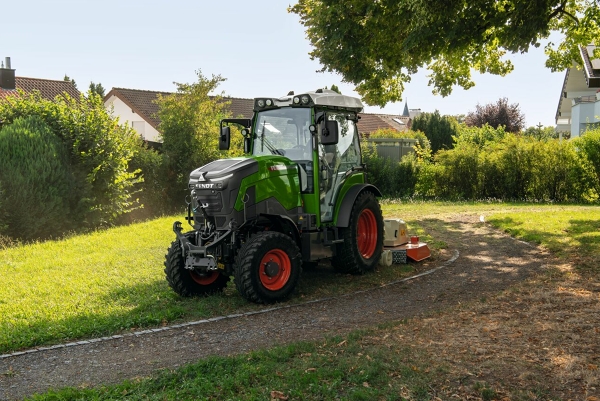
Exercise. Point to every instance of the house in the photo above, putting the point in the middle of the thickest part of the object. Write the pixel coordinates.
(139, 109)
(48, 88)
(579, 104)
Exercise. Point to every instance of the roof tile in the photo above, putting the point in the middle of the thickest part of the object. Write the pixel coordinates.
(143, 103)
(48, 88)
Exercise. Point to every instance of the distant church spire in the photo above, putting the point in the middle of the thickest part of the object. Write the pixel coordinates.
(406, 113)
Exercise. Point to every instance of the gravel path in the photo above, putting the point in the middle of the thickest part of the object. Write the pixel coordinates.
(489, 262)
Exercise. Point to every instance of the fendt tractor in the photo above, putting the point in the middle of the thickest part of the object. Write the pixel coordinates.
(299, 196)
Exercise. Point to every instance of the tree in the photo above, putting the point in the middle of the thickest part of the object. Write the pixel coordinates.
(542, 133)
(69, 79)
(497, 114)
(378, 45)
(97, 88)
(189, 126)
(336, 89)
(438, 129)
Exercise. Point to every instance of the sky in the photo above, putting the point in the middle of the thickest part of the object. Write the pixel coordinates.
(257, 46)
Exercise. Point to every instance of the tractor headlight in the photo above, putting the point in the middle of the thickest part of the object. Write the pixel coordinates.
(305, 99)
(296, 100)
(269, 102)
(261, 102)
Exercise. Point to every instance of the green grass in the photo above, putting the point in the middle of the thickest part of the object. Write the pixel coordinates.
(570, 233)
(365, 365)
(337, 369)
(112, 281)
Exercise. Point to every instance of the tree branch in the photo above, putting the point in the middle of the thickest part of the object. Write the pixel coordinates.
(561, 10)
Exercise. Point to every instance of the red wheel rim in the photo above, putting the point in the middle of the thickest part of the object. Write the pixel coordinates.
(366, 233)
(205, 279)
(280, 268)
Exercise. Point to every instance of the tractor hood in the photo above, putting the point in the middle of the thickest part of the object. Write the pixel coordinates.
(217, 174)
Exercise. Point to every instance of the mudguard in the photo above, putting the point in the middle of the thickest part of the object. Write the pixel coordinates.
(343, 217)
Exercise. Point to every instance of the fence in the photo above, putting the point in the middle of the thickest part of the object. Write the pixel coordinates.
(393, 148)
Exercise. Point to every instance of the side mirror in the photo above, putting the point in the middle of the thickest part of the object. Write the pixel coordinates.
(330, 134)
(225, 138)
(247, 144)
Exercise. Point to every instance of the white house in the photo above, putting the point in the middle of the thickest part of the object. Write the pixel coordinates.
(579, 104)
(138, 109)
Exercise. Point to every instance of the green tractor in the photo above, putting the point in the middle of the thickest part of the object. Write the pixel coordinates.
(299, 196)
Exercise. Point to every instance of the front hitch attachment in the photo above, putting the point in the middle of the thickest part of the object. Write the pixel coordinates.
(196, 256)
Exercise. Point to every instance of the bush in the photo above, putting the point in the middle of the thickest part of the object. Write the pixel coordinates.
(513, 168)
(393, 179)
(589, 146)
(98, 148)
(152, 188)
(479, 136)
(36, 180)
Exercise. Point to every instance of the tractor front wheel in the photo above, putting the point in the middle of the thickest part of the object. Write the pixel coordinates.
(363, 238)
(189, 283)
(268, 267)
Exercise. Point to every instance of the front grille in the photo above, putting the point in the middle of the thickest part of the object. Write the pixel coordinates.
(214, 202)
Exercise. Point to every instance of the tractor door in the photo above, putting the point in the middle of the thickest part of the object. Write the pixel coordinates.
(335, 161)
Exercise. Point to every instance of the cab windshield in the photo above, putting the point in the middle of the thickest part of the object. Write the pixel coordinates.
(284, 132)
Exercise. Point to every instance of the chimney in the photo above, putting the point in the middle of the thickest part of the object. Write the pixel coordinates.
(7, 76)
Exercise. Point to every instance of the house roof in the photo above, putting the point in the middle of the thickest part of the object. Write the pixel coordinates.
(581, 82)
(143, 102)
(372, 122)
(590, 66)
(48, 88)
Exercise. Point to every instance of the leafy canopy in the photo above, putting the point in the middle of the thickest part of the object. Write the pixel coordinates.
(189, 126)
(378, 45)
(497, 114)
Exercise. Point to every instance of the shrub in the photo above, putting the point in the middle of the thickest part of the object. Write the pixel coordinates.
(459, 176)
(393, 179)
(99, 151)
(151, 190)
(479, 136)
(36, 179)
(589, 146)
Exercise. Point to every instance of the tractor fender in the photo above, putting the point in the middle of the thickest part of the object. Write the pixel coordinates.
(285, 222)
(343, 218)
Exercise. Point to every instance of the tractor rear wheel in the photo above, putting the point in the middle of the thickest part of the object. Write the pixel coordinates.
(363, 238)
(189, 283)
(268, 267)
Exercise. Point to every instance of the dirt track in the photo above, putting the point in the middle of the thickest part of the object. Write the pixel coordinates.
(489, 262)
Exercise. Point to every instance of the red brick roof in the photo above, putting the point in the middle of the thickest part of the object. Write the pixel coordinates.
(48, 88)
(143, 103)
(372, 122)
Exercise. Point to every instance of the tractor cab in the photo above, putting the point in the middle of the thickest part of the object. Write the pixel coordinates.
(316, 130)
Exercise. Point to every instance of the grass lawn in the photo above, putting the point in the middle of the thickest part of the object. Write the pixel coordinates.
(112, 280)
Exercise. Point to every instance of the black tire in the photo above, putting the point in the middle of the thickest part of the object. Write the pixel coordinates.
(360, 251)
(267, 282)
(188, 283)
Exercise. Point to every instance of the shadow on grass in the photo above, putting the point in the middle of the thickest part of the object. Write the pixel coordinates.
(577, 242)
(153, 304)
